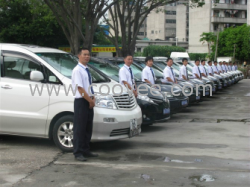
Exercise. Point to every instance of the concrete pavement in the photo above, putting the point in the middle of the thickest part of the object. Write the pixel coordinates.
(207, 141)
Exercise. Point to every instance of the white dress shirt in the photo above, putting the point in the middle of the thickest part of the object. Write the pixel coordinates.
(168, 73)
(203, 70)
(233, 68)
(148, 73)
(125, 75)
(210, 70)
(183, 71)
(224, 68)
(220, 68)
(230, 68)
(195, 70)
(215, 69)
(81, 79)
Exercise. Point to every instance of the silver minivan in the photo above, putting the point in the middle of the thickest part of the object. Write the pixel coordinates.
(36, 98)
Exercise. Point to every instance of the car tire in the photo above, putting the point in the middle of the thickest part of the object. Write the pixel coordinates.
(63, 133)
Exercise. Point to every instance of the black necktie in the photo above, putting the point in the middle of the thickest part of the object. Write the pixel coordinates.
(92, 91)
(199, 72)
(186, 72)
(152, 72)
(172, 73)
(205, 70)
(132, 77)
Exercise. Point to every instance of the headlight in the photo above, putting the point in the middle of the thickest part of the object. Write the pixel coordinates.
(144, 98)
(105, 102)
(168, 94)
(187, 90)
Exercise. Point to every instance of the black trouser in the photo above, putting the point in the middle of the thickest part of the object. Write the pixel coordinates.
(83, 125)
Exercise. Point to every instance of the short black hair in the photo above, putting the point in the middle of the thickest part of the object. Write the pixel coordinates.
(209, 62)
(128, 54)
(148, 58)
(215, 61)
(81, 49)
(169, 59)
(197, 60)
(202, 60)
(184, 59)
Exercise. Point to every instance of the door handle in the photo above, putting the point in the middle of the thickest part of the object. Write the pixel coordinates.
(6, 87)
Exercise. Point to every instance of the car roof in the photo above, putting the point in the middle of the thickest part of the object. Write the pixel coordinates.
(34, 48)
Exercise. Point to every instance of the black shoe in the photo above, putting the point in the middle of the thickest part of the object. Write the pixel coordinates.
(90, 154)
(81, 158)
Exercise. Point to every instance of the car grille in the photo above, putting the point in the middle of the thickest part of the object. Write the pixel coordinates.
(125, 101)
(119, 132)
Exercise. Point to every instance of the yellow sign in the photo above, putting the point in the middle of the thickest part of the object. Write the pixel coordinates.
(94, 49)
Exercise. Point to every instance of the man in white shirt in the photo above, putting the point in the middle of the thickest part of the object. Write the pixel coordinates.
(126, 76)
(230, 66)
(168, 72)
(183, 74)
(224, 67)
(215, 68)
(83, 107)
(233, 67)
(202, 69)
(210, 68)
(196, 71)
(220, 67)
(148, 74)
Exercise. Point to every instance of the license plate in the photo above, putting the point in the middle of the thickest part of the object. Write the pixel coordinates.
(213, 89)
(207, 93)
(134, 129)
(198, 97)
(166, 111)
(184, 102)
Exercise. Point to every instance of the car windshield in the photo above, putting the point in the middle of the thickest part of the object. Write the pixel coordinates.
(107, 69)
(160, 64)
(64, 63)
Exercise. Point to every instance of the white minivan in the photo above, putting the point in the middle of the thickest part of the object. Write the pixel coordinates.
(36, 98)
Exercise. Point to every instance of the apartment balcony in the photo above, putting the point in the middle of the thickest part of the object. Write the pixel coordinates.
(221, 6)
(228, 20)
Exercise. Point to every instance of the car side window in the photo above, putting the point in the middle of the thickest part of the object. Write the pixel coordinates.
(19, 68)
(51, 78)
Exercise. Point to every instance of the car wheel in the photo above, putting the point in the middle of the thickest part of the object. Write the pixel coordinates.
(63, 133)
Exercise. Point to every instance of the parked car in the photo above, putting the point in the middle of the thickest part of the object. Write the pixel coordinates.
(154, 108)
(177, 103)
(30, 106)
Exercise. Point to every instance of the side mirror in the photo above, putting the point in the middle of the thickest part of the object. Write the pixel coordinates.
(36, 76)
(52, 79)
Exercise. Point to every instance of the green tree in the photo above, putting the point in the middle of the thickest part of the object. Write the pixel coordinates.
(156, 50)
(209, 38)
(29, 22)
(238, 36)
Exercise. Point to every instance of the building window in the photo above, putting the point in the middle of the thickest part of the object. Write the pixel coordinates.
(170, 31)
(152, 32)
(170, 21)
(140, 33)
(168, 12)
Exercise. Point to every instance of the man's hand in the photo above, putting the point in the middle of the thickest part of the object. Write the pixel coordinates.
(92, 103)
(135, 93)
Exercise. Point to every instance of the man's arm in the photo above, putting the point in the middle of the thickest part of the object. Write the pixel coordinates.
(85, 95)
(147, 81)
(184, 77)
(169, 79)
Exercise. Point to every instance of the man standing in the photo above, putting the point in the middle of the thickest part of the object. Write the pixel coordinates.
(210, 68)
(168, 72)
(202, 69)
(126, 76)
(196, 71)
(220, 67)
(224, 67)
(83, 107)
(183, 75)
(215, 68)
(148, 74)
(233, 67)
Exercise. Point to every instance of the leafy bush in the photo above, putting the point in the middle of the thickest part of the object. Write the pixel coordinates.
(194, 56)
(156, 50)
